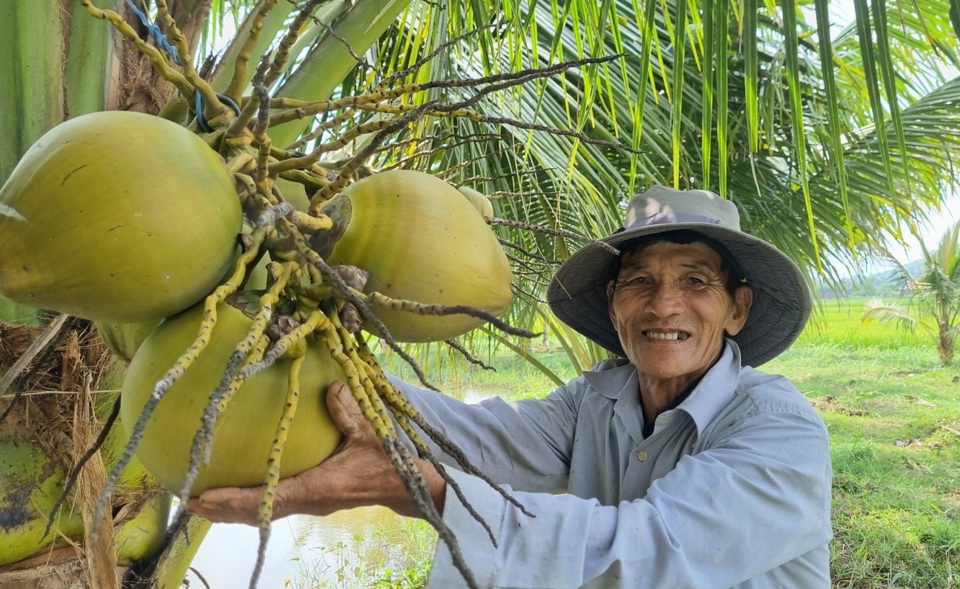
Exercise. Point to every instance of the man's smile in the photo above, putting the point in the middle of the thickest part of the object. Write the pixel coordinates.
(666, 335)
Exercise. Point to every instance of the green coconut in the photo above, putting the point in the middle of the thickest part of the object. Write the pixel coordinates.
(246, 429)
(124, 339)
(143, 536)
(480, 201)
(30, 483)
(117, 216)
(421, 241)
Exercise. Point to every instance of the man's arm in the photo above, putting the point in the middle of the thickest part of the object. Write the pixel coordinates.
(722, 516)
(731, 512)
(529, 450)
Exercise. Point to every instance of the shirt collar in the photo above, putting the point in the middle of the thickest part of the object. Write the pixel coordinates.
(610, 382)
(714, 391)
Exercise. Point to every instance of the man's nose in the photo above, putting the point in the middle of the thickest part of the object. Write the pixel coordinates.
(665, 299)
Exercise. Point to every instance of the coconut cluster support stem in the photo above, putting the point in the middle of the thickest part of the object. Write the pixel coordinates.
(249, 351)
(267, 499)
(371, 403)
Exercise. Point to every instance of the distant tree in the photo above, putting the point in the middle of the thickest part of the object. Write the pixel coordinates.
(934, 295)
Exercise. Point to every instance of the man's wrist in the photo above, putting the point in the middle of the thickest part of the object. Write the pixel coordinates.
(436, 487)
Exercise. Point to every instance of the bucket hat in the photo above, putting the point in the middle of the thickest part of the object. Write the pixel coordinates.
(577, 294)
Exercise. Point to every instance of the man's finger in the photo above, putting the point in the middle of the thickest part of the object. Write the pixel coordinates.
(345, 411)
(226, 504)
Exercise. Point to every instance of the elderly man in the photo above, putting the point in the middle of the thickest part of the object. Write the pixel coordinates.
(677, 465)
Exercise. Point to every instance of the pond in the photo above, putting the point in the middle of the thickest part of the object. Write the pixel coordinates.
(339, 551)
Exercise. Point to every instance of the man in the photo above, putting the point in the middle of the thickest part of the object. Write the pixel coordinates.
(677, 465)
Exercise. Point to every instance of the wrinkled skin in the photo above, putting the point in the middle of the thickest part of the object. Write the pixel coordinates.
(359, 473)
(671, 309)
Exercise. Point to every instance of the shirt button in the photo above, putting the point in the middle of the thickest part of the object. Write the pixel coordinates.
(642, 456)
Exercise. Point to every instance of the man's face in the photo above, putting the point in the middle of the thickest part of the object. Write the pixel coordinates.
(670, 307)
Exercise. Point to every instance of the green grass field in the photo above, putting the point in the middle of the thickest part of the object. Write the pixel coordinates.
(894, 418)
(838, 321)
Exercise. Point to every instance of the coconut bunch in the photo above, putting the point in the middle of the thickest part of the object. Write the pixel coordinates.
(197, 270)
(235, 302)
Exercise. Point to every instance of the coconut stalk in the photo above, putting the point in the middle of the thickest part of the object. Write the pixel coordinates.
(330, 59)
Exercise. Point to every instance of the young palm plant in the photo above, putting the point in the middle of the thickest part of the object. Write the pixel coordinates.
(933, 295)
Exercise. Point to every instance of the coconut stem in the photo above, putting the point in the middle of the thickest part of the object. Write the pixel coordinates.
(400, 406)
(239, 80)
(159, 61)
(344, 291)
(344, 350)
(282, 53)
(424, 452)
(249, 350)
(211, 102)
(416, 485)
(269, 495)
(376, 298)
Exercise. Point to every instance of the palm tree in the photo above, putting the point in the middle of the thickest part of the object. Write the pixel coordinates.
(824, 137)
(934, 295)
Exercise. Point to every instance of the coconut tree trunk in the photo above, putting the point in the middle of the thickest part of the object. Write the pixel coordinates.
(140, 87)
(945, 343)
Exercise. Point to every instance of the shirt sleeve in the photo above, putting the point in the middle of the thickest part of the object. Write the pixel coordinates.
(524, 444)
(757, 498)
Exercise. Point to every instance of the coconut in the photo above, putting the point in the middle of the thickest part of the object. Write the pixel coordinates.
(422, 241)
(31, 485)
(245, 431)
(480, 201)
(124, 339)
(117, 216)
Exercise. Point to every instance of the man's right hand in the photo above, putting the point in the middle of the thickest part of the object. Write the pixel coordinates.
(358, 473)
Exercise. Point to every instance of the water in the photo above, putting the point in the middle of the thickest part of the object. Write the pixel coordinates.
(337, 551)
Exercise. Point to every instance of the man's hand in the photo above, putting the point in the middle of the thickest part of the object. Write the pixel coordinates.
(358, 473)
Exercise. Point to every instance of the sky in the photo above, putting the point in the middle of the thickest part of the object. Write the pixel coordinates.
(841, 14)
(939, 222)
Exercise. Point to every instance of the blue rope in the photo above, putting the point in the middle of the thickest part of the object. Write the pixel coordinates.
(161, 39)
(156, 32)
(198, 106)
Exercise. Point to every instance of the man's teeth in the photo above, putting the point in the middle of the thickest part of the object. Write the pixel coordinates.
(669, 335)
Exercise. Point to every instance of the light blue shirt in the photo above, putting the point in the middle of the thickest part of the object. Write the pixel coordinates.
(732, 489)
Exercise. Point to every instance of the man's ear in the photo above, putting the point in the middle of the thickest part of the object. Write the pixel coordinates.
(742, 301)
(610, 291)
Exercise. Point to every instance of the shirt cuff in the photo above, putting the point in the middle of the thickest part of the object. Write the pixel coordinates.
(473, 538)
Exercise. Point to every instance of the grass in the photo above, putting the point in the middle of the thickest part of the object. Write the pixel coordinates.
(838, 321)
(893, 413)
(894, 421)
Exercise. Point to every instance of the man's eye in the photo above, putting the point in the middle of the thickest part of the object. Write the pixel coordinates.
(635, 282)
